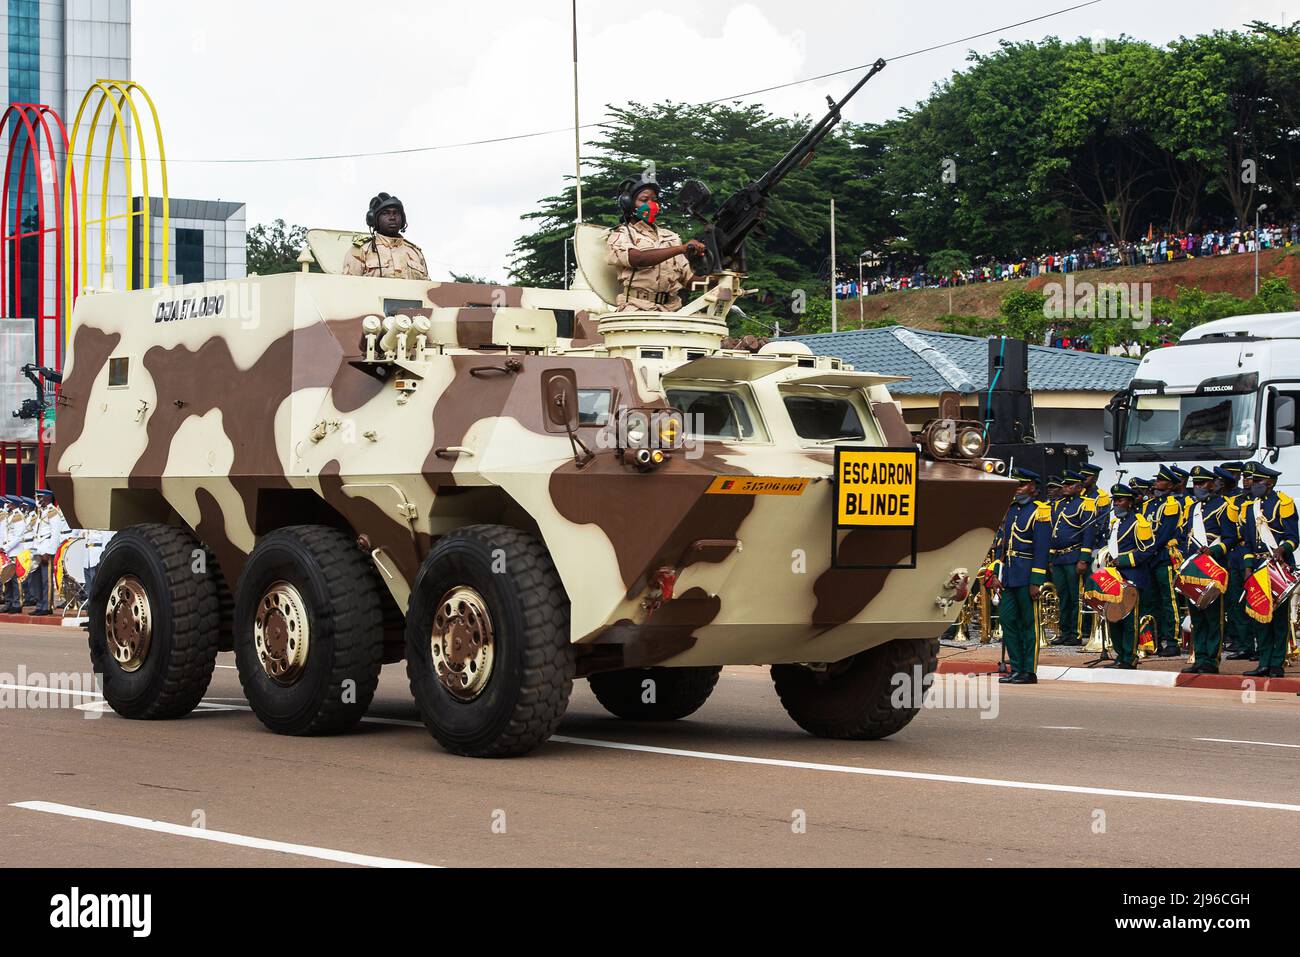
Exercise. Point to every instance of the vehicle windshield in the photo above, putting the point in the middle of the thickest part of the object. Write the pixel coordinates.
(1186, 426)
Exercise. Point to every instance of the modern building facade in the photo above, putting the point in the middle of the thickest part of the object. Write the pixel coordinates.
(53, 51)
(207, 240)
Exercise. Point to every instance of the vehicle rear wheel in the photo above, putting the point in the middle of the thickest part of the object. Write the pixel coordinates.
(487, 642)
(654, 694)
(154, 623)
(854, 698)
(308, 630)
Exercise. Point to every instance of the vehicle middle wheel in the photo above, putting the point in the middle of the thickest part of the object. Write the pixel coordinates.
(308, 632)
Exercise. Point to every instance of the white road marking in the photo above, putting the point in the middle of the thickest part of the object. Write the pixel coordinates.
(220, 837)
(1060, 727)
(878, 772)
(228, 667)
(49, 690)
(927, 776)
(1267, 744)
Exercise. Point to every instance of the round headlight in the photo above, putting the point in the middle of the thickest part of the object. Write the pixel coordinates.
(941, 442)
(971, 443)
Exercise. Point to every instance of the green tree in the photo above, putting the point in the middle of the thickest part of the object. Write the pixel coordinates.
(275, 248)
(947, 261)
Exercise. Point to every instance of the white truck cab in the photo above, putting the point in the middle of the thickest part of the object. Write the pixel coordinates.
(1227, 390)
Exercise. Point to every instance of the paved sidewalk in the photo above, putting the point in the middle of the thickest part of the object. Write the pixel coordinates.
(1071, 664)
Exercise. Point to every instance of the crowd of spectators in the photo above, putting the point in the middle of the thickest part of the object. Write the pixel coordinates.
(1156, 248)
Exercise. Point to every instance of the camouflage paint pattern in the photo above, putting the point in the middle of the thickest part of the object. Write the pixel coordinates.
(263, 412)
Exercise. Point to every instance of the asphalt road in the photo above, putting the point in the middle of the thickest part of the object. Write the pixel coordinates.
(736, 784)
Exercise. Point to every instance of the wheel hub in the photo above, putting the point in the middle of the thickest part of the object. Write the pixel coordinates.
(281, 634)
(461, 644)
(128, 621)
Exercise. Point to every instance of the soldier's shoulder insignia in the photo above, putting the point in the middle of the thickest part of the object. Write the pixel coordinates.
(1044, 511)
(1286, 505)
(1171, 507)
(1234, 513)
(413, 246)
(1089, 505)
(359, 241)
(1103, 499)
(1144, 529)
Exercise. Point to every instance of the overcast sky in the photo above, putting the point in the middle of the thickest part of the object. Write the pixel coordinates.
(291, 78)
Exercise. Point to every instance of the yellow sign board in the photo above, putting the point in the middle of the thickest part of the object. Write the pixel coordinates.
(756, 485)
(875, 487)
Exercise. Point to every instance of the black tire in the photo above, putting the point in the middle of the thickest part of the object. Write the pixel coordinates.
(854, 698)
(678, 692)
(184, 623)
(340, 596)
(526, 691)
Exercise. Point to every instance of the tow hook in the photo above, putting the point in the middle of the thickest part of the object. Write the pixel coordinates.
(660, 590)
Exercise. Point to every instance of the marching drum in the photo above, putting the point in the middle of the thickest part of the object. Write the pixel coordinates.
(73, 559)
(1108, 594)
(1202, 580)
(1282, 579)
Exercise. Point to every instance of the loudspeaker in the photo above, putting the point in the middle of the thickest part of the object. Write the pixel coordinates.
(1008, 364)
(1045, 458)
(1010, 416)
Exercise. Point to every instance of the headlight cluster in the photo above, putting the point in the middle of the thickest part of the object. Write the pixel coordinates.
(954, 439)
(648, 436)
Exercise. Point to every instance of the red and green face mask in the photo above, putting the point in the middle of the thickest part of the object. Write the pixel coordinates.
(648, 212)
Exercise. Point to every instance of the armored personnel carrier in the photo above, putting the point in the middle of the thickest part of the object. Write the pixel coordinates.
(326, 473)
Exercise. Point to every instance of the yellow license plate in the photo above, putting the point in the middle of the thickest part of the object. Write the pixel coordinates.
(756, 485)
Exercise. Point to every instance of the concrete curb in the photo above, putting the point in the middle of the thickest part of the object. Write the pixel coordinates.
(41, 620)
(1150, 679)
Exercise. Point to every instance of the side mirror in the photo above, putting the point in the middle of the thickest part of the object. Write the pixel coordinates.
(1113, 422)
(1283, 418)
(560, 396)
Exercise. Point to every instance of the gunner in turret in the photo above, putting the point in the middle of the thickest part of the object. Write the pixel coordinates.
(651, 260)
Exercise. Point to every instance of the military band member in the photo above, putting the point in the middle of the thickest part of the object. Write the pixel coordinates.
(1101, 518)
(1131, 541)
(1269, 530)
(1165, 512)
(1209, 529)
(1238, 632)
(1025, 543)
(1070, 554)
(652, 263)
(12, 532)
(385, 253)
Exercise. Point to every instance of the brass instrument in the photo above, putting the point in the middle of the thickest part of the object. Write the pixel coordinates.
(1049, 613)
(977, 609)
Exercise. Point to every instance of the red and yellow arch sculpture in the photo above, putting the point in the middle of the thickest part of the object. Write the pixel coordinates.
(40, 132)
(119, 97)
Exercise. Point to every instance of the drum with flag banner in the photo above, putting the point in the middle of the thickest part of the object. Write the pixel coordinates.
(1267, 587)
(1203, 580)
(1110, 595)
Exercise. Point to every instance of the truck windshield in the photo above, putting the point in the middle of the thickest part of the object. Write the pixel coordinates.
(1185, 426)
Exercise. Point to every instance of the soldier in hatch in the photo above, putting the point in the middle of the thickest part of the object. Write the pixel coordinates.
(385, 252)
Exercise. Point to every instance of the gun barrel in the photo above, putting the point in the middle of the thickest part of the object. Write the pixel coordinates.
(814, 135)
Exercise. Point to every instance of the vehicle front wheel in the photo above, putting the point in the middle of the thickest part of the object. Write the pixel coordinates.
(654, 694)
(855, 698)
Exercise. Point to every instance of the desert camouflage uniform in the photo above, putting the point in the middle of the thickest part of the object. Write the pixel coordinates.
(392, 257)
(648, 288)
